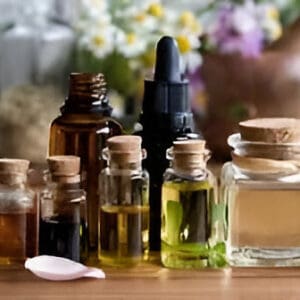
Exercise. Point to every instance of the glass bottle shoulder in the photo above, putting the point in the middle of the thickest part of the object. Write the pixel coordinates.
(85, 119)
(205, 176)
(14, 198)
(129, 173)
(231, 174)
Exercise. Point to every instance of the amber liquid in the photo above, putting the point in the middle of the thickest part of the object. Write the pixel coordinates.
(84, 135)
(18, 237)
(265, 218)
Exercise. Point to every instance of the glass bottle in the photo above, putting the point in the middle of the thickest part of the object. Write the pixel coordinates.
(193, 220)
(82, 130)
(261, 187)
(63, 216)
(124, 207)
(18, 213)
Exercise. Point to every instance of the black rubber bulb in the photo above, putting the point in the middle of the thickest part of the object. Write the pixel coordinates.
(167, 67)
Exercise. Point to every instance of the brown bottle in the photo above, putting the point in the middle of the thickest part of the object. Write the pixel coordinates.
(82, 129)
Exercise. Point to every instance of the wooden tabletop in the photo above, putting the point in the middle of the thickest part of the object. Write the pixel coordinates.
(154, 282)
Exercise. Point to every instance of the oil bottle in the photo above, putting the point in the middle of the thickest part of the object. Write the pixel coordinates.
(63, 214)
(82, 129)
(124, 206)
(18, 213)
(193, 220)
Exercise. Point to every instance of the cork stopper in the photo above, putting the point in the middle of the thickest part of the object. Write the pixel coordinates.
(64, 165)
(10, 165)
(189, 146)
(271, 130)
(189, 154)
(125, 143)
(125, 148)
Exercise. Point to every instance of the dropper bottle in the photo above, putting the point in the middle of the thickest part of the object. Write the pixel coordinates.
(166, 116)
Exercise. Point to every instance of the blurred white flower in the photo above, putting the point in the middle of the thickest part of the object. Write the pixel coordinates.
(130, 44)
(100, 41)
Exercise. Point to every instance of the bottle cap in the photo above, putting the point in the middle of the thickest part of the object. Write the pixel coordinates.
(189, 146)
(271, 130)
(10, 165)
(64, 165)
(125, 148)
(166, 95)
(189, 154)
(87, 92)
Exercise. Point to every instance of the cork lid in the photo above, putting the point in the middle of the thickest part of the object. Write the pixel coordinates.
(125, 143)
(10, 165)
(64, 165)
(271, 130)
(125, 148)
(189, 146)
(188, 154)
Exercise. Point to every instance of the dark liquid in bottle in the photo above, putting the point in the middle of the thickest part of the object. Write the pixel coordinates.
(85, 136)
(60, 236)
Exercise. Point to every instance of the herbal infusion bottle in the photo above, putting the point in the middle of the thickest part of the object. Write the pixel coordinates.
(124, 207)
(82, 130)
(18, 213)
(193, 222)
(262, 189)
(63, 216)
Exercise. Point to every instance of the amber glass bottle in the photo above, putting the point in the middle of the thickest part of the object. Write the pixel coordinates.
(82, 130)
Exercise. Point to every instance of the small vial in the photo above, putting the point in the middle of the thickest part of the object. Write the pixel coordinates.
(124, 207)
(63, 225)
(18, 213)
(193, 221)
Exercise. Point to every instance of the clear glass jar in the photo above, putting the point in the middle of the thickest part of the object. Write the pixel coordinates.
(18, 213)
(63, 228)
(193, 220)
(124, 207)
(261, 187)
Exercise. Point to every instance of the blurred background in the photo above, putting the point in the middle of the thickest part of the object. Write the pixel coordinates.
(242, 59)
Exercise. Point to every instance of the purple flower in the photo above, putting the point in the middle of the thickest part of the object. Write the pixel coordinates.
(236, 30)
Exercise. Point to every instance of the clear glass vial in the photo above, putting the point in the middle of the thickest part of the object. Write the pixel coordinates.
(63, 225)
(261, 187)
(124, 207)
(193, 221)
(18, 213)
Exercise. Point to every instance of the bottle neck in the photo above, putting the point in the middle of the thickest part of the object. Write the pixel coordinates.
(188, 168)
(87, 94)
(63, 182)
(13, 179)
(125, 165)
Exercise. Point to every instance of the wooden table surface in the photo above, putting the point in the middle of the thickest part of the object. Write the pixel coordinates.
(155, 282)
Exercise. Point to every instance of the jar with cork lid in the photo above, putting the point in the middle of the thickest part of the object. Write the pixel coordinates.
(261, 187)
(18, 213)
(124, 207)
(63, 226)
(193, 220)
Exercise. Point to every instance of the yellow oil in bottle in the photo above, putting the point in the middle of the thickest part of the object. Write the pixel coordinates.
(123, 234)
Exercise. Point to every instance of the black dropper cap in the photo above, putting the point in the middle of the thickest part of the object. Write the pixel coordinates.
(167, 93)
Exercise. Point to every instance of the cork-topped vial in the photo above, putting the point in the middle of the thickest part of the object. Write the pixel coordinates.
(18, 213)
(193, 220)
(261, 187)
(124, 206)
(82, 129)
(63, 225)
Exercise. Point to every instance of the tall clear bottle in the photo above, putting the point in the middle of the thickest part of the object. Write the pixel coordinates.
(124, 207)
(82, 129)
(193, 220)
(18, 213)
(63, 215)
(261, 187)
